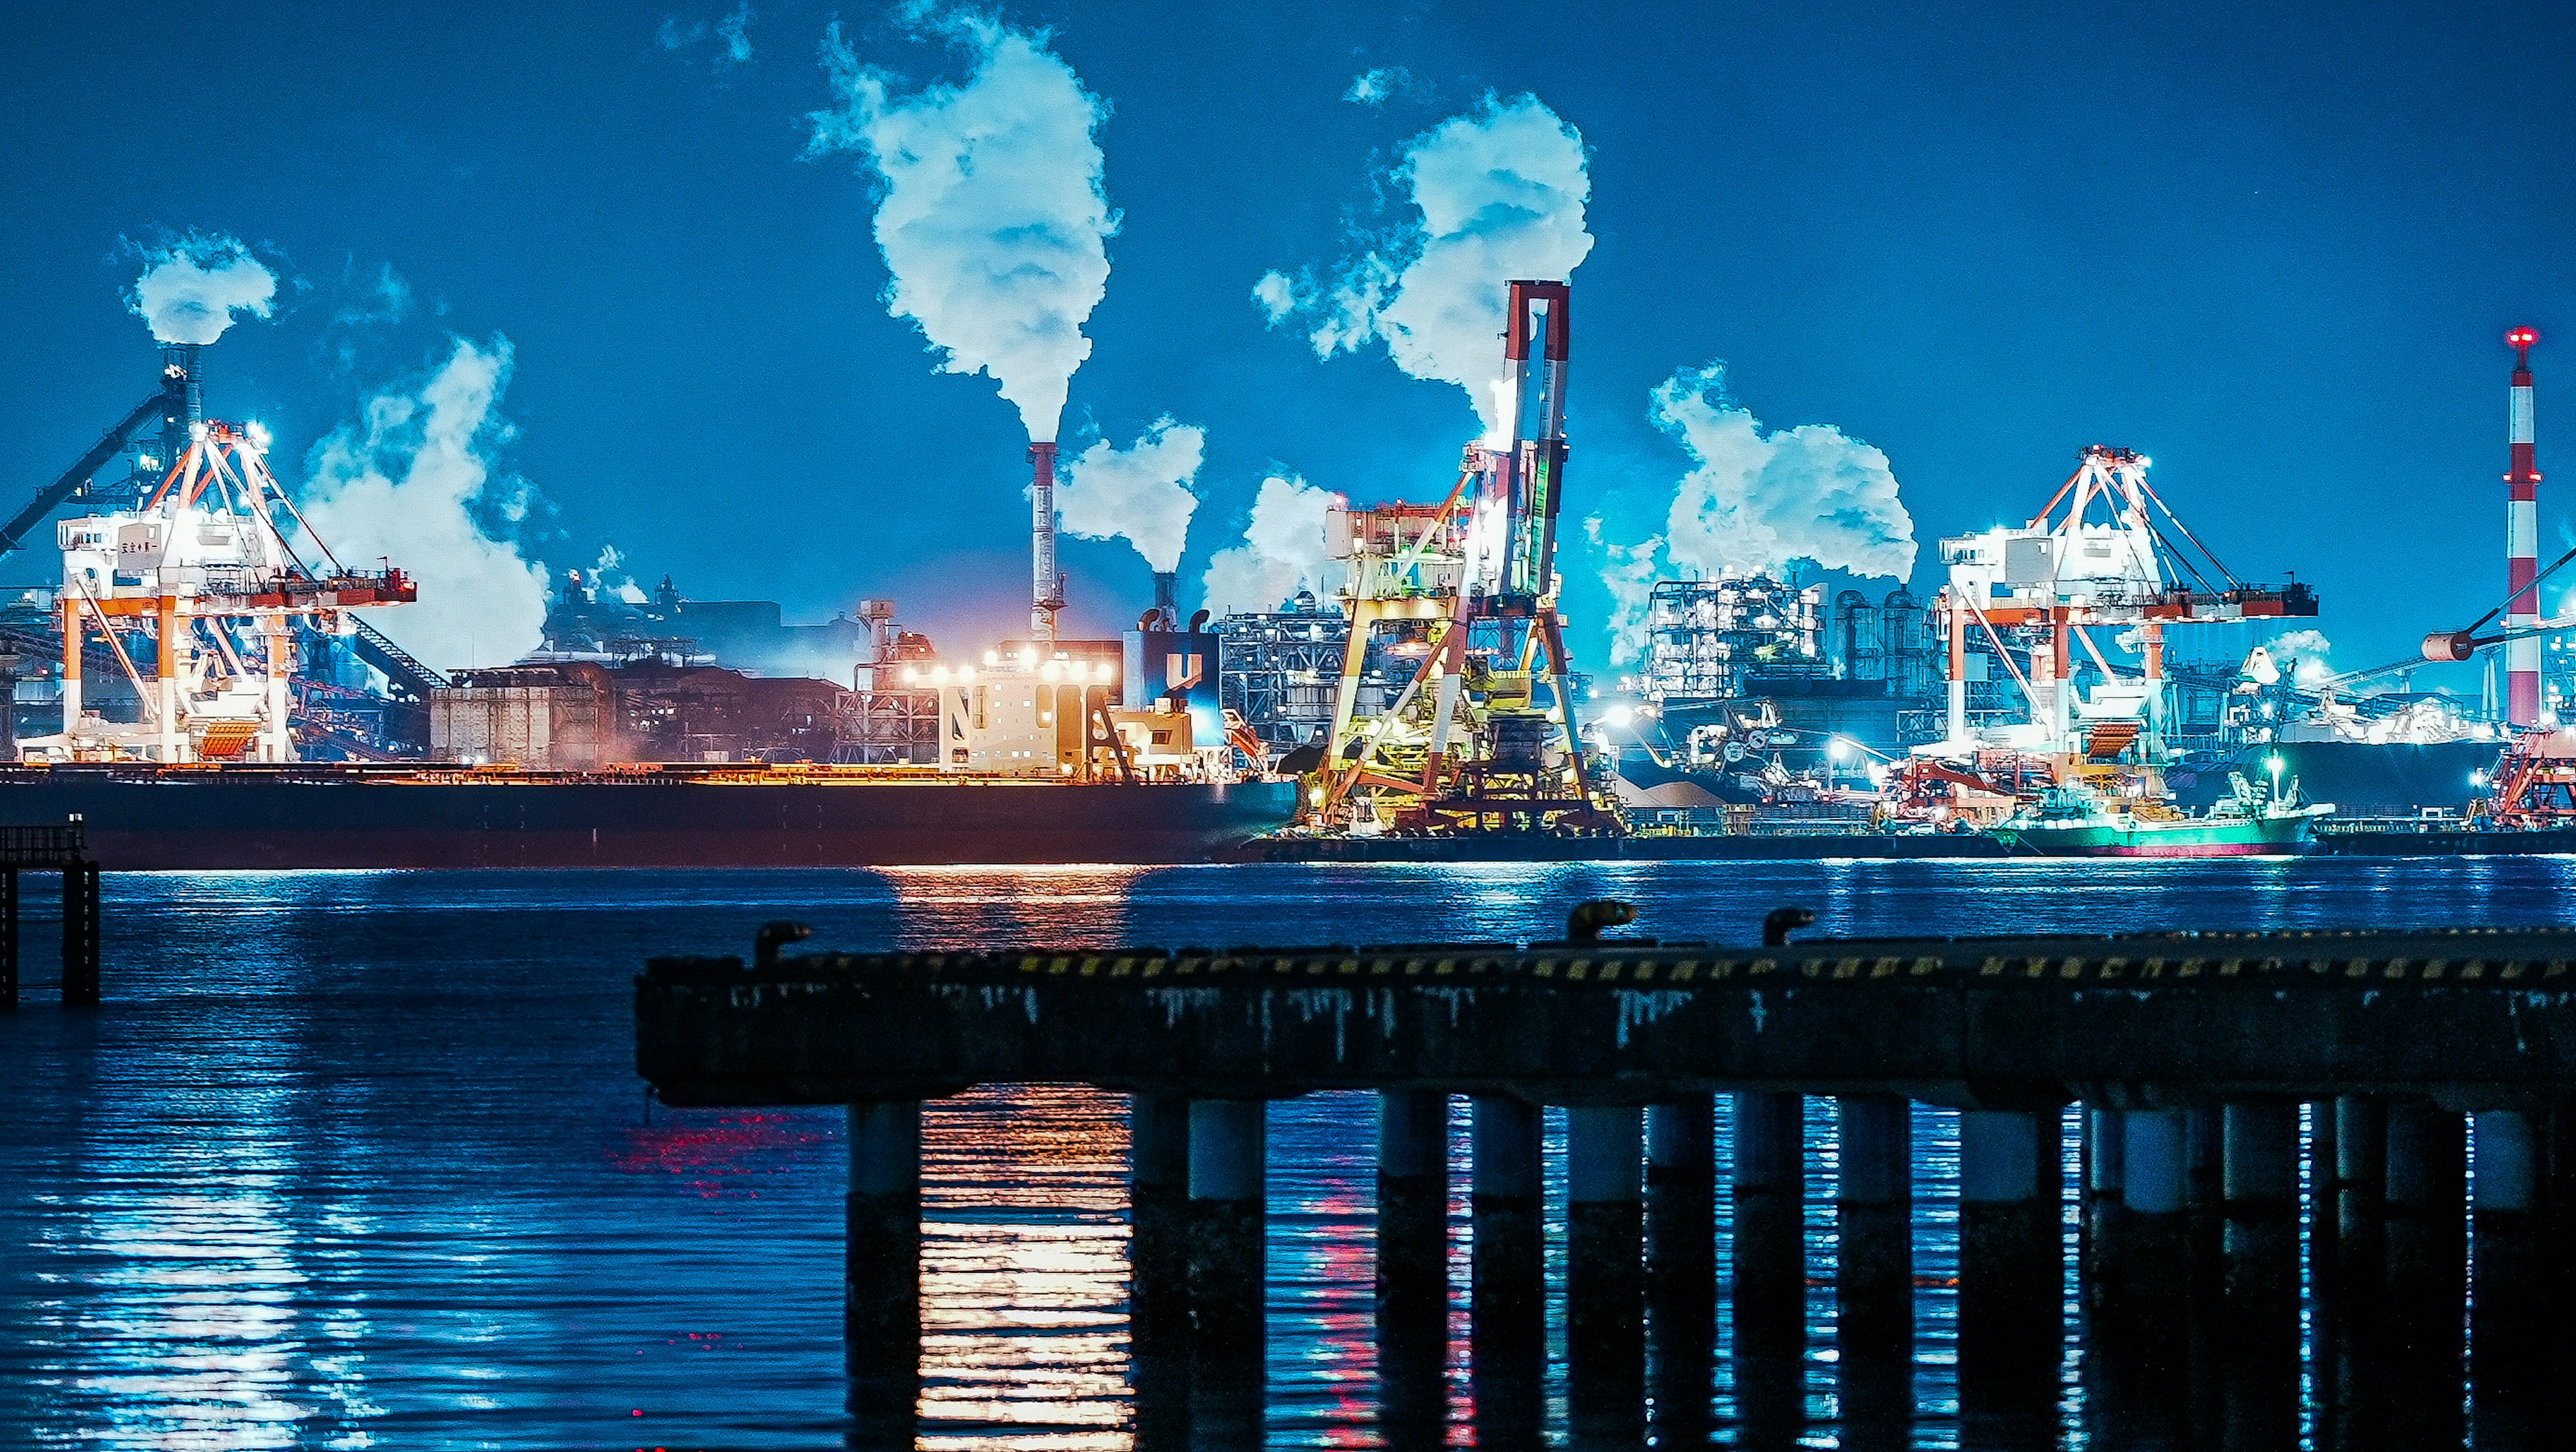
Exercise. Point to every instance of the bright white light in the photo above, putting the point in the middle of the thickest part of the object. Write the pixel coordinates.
(1048, 672)
(2477, 778)
(911, 675)
(1839, 750)
(965, 673)
(258, 434)
(1618, 717)
(992, 657)
(939, 674)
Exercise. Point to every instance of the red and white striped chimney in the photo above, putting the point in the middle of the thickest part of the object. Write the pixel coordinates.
(2522, 544)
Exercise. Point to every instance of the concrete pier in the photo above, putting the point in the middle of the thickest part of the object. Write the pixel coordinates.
(1225, 1275)
(2192, 1052)
(1158, 1209)
(1874, 1265)
(1605, 1327)
(51, 849)
(2011, 1266)
(881, 1281)
(1681, 1265)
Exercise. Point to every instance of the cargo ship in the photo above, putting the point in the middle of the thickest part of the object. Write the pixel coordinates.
(141, 817)
(2078, 821)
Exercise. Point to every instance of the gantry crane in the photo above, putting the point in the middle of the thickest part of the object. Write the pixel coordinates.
(1483, 736)
(2107, 560)
(205, 572)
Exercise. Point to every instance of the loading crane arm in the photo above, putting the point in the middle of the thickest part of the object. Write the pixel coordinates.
(77, 477)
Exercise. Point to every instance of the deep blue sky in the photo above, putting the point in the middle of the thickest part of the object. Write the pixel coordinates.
(2274, 248)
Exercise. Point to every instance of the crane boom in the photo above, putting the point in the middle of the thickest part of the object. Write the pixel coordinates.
(113, 442)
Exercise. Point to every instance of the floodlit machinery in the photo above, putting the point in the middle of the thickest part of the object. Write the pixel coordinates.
(202, 583)
(2114, 558)
(1483, 734)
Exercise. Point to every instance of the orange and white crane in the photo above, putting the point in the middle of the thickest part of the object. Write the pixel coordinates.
(205, 582)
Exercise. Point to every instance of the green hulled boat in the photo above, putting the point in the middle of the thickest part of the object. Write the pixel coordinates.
(2080, 822)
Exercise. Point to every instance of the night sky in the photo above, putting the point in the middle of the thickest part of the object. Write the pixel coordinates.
(2274, 248)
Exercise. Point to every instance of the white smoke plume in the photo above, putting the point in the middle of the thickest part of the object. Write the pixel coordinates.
(193, 285)
(1283, 551)
(2305, 652)
(1757, 501)
(1371, 87)
(1630, 572)
(610, 580)
(1501, 192)
(412, 484)
(1142, 492)
(991, 215)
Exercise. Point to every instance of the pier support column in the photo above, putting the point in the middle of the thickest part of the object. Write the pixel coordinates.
(1770, 1268)
(1412, 1259)
(80, 935)
(2359, 1250)
(2508, 1319)
(1225, 1278)
(2426, 1281)
(1874, 1270)
(2104, 1245)
(2137, 1358)
(2557, 1276)
(881, 1283)
(2011, 1265)
(1681, 1264)
(2261, 1298)
(1507, 1271)
(1605, 1326)
(1158, 1256)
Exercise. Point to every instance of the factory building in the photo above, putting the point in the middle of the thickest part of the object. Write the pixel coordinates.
(1278, 672)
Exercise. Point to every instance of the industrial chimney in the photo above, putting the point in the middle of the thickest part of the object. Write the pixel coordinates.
(1167, 604)
(2522, 545)
(1046, 594)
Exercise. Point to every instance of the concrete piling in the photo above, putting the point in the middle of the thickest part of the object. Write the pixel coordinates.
(1225, 1272)
(2105, 1220)
(2426, 1277)
(1681, 1265)
(2359, 1250)
(1770, 1269)
(1874, 1265)
(2011, 1314)
(1158, 1257)
(1412, 1260)
(2508, 1318)
(1605, 1330)
(8, 938)
(2260, 1325)
(881, 1282)
(1506, 1269)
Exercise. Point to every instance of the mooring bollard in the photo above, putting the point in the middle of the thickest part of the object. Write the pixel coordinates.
(1681, 1264)
(882, 1267)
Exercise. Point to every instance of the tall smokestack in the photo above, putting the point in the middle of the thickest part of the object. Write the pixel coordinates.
(1046, 594)
(2522, 543)
(1167, 600)
(183, 404)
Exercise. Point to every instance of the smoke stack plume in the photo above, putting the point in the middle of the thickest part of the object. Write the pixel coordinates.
(1145, 492)
(990, 208)
(1501, 192)
(1283, 551)
(192, 286)
(1046, 592)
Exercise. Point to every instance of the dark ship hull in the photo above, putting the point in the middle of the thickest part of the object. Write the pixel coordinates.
(250, 817)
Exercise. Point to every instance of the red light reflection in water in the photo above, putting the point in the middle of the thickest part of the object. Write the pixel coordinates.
(725, 1156)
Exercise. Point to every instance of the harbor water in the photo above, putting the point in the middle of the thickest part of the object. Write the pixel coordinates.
(361, 1159)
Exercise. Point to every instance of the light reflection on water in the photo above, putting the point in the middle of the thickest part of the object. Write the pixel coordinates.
(357, 1160)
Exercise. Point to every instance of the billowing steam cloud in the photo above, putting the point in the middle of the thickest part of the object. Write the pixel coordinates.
(410, 486)
(1501, 192)
(192, 286)
(1142, 492)
(992, 218)
(2304, 651)
(1757, 502)
(1283, 551)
